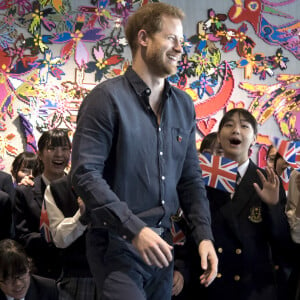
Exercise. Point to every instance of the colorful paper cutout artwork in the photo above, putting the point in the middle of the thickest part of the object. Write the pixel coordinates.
(253, 11)
(281, 101)
(43, 42)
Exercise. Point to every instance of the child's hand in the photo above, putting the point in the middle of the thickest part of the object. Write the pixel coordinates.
(81, 206)
(270, 191)
(27, 180)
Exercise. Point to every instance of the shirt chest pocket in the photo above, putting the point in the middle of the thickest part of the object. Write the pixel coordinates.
(180, 138)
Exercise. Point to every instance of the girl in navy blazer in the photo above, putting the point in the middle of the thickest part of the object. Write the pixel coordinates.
(249, 225)
(16, 281)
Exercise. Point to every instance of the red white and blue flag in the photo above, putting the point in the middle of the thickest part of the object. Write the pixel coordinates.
(44, 224)
(218, 172)
(296, 163)
(285, 177)
(176, 228)
(287, 149)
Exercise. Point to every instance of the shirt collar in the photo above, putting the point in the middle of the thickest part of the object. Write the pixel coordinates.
(46, 180)
(140, 86)
(243, 168)
(11, 298)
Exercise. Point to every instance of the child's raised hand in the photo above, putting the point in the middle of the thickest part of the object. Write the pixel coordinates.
(270, 190)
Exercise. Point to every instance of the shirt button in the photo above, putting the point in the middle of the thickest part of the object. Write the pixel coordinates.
(220, 250)
(148, 92)
(104, 223)
(124, 237)
(237, 277)
(163, 177)
(159, 223)
(238, 251)
(159, 129)
(161, 153)
(162, 202)
(219, 275)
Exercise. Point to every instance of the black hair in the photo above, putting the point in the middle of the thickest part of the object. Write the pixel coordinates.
(269, 150)
(56, 137)
(277, 157)
(26, 160)
(208, 141)
(242, 112)
(13, 259)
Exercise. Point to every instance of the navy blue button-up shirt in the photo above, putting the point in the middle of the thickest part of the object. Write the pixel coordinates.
(131, 171)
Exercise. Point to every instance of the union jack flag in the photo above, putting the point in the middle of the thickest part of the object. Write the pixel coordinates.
(44, 224)
(177, 228)
(285, 177)
(218, 172)
(296, 163)
(287, 149)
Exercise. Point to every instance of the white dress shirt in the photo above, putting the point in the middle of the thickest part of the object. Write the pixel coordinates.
(64, 230)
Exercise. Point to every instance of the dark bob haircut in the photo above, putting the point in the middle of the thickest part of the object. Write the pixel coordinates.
(242, 113)
(13, 259)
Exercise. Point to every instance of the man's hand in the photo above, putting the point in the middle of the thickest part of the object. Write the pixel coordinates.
(178, 282)
(270, 191)
(209, 262)
(153, 249)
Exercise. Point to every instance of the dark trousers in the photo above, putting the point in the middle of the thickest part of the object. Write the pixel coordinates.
(126, 276)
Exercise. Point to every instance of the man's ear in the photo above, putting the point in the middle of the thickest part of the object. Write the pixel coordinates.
(142, 37)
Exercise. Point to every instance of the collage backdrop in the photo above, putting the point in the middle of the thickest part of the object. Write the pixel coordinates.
(237, 53)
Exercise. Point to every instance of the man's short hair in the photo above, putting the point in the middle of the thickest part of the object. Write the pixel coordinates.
(149, 18)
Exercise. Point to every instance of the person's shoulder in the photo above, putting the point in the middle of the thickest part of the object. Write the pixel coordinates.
(110, 83)
(43, 281)
(62, 180)
(180, 93)
(4, 174)
(6, 181)
(42, 288)
(4, 197)
(253, 167)
(2, 295)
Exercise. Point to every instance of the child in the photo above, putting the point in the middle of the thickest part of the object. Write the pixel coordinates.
(54, 149)
(16, 281)
(211, 145)
(248, 224)
(293, 214)
(25, 164)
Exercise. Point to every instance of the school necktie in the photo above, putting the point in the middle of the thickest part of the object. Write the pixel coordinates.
(237, 182)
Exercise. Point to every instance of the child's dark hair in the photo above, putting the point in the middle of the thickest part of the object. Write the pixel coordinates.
(242, 112)
(277, 157)
(13, 259)
(53, 138)
(26, 160)
(269, 150)
(208, 141)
